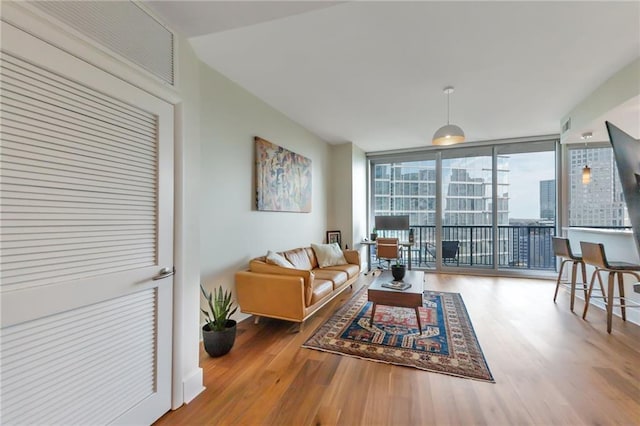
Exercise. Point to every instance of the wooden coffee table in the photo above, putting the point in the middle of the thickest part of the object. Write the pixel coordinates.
(409, 298)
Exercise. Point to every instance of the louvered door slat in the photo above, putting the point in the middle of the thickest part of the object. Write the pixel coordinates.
(19, 365)
(88, 117)
(19, 163)
(13, 271)
(48, 86)
(15, 88)
(107, 180)
(19, 205)
(48, 238)
(12, 198)
(69, 121)
(107, 342)
(39, 77)
(56, 140)
(23, 147)
(18, 111)
(96, 189)
(34, 232)
(79, 196)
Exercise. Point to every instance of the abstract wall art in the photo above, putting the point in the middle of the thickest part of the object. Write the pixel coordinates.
(283, 179)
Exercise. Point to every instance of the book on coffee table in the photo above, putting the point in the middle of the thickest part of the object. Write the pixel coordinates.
(396, 285)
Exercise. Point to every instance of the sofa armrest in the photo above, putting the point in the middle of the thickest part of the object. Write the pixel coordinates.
(352, 256)
(278, 296)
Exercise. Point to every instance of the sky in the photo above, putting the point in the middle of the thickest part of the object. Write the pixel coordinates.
(526, 172)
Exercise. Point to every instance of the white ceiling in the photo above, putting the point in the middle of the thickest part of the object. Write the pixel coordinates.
(372, 73)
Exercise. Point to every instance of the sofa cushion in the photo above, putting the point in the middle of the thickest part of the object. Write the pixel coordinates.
(351, 270)
(321, 289)
(299, 258)
(337, 277)
(312, 257)
(277, 259)
(328, 254)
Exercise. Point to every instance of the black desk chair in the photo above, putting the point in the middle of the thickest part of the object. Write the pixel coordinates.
(450, 251)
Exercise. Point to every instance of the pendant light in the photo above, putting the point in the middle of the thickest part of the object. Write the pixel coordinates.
(449, 134)
(586, 170)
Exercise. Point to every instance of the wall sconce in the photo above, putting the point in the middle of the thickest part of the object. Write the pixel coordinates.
(586, 175)
(586, 171)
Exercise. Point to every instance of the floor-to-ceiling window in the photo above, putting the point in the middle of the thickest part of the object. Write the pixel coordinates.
(527, 220)
(473, 207)
(467, 208)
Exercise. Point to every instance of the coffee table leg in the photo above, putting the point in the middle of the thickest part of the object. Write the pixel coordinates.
(373, 312)
(418, 318)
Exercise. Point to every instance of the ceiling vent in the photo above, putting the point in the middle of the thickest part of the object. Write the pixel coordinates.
(566, 125)
(124, 28)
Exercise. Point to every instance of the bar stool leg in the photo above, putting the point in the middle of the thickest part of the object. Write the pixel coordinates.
(623, 308)
(559, 279)
(584, 278)
(610, 282)
(574, 274)
(604, 295)
(586, 301)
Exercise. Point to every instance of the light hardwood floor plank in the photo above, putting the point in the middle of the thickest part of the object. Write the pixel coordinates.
(550, 366)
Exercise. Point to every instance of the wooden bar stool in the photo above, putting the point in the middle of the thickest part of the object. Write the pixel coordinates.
(562, 249)
(594, 255)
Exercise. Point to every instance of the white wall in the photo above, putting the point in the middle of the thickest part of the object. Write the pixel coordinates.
(360, 200)
(348, 212)
(341, 207)
(232, 231)
(187, 227)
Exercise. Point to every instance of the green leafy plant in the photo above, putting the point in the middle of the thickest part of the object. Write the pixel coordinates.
(220, 306)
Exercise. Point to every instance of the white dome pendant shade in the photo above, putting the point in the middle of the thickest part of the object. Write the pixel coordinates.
(449, 134)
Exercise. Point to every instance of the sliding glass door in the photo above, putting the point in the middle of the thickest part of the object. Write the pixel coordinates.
(529, 195)
(408, 188)
(467, 209)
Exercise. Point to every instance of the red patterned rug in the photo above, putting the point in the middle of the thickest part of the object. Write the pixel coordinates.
(446, 345)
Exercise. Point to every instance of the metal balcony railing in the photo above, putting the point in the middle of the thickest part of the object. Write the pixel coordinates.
(519, 246)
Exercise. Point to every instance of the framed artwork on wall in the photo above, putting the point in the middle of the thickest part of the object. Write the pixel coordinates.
(283, 179)
(334, 237)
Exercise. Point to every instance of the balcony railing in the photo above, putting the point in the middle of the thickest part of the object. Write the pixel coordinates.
(519, 247)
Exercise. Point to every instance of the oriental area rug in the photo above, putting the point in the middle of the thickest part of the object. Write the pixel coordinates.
(447, 344)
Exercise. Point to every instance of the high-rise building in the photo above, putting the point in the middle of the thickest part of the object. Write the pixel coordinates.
(548, 199)
(600, 202)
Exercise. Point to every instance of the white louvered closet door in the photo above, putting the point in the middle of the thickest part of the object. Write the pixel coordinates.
(86, 223)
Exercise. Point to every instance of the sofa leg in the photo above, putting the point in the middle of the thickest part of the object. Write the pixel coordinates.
(300, 327)
(256, 320)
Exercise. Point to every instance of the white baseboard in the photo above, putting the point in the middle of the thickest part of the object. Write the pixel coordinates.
(192, 386)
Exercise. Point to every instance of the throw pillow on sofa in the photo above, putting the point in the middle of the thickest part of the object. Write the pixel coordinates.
(329, 254)
(276, 259)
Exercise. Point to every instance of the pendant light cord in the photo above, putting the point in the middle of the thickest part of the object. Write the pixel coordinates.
(448, 106)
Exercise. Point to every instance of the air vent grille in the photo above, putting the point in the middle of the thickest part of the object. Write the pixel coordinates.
(566, 126)
(124, 28)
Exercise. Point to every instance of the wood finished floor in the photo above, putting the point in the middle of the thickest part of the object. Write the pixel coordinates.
(550, 367)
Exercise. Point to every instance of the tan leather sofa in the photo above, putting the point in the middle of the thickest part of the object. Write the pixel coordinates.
(293, 294)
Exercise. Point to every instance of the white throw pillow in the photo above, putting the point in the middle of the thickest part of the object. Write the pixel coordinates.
(329, 254)
(277, 259)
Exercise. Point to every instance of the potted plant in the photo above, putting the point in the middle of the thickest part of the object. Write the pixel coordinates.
(374, 234)
(219, 332)
(398, 270)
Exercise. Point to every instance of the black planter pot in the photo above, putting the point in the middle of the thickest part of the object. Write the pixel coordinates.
(398, 272)
(218, 343)
(373, 236)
